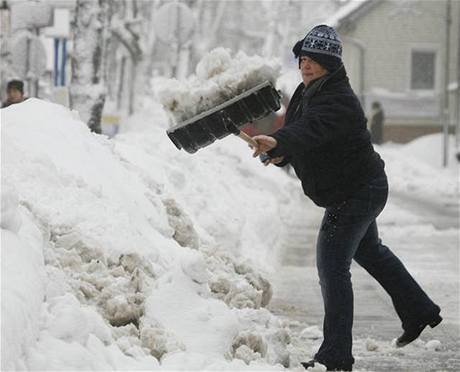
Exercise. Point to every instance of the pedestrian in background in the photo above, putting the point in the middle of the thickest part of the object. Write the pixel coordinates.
(14, 93)
(376, 123)
(326, 140)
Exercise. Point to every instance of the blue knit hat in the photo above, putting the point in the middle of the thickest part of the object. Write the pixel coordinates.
(323, 45)
(323, 39)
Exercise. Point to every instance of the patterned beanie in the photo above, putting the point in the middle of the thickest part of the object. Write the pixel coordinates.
(323, 45)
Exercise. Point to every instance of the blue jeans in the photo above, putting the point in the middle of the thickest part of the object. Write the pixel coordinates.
(349, 231)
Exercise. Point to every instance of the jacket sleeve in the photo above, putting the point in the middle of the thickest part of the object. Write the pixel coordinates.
(323, 121)
(286, 160)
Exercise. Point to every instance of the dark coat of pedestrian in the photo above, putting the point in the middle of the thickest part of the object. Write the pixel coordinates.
(376, 123)
(326, 140)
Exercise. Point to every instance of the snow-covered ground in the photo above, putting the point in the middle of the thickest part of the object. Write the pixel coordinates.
(129, 254)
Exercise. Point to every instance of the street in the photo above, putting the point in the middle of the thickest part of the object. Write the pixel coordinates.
(428, 246)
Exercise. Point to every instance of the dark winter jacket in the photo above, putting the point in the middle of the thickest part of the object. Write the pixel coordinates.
(326, 141)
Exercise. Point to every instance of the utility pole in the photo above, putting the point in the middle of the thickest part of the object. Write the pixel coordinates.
(445, 110)
(457, 126)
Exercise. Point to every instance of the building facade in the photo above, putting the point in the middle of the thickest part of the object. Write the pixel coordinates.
(404, 54)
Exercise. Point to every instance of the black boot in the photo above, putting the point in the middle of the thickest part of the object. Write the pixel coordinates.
(309, 364)
(312, 362)
(412, 333)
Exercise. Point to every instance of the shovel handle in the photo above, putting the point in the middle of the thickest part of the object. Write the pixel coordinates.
(248, 139)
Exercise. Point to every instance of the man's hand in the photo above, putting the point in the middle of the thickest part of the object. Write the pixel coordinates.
(266, 143)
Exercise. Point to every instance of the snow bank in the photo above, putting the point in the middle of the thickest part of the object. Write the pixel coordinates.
(416, 168)
(218, 77)
(146, 253)
(417, 149)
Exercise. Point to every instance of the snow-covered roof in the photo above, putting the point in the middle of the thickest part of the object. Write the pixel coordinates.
(350, 12)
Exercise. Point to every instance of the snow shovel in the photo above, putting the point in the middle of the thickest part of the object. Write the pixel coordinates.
(226, 118)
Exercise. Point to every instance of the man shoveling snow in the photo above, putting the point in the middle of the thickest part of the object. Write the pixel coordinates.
(325, 139)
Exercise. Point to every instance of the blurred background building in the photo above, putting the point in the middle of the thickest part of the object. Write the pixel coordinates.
(404, 54)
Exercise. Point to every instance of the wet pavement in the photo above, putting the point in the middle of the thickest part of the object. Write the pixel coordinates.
(429, 247)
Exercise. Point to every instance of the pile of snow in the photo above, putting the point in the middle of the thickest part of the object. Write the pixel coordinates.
(218, 77)
(416, 168)
(129, 254)
(430, 150)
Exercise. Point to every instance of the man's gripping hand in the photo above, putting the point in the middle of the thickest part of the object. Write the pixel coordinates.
(265, 144)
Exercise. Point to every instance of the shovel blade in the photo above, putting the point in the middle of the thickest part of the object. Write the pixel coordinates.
(226, 118)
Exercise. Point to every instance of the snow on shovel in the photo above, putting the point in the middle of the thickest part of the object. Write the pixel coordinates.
(226, 118)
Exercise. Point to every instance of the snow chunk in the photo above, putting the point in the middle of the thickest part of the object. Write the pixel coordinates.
(237, 284)
(312, 333)
(129, 262)
(213, 63)
(159, 341)
(248, 346)
(260, 284)
(246, 354)
(244, 296)
(218, 78)
(184, 232)
(260, 326)
(371, 345)
(122, 310)
(433, 345)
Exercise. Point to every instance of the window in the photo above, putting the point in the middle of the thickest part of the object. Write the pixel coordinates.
(423, 70)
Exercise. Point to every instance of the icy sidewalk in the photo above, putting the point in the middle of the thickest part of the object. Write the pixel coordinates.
(431, 255)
